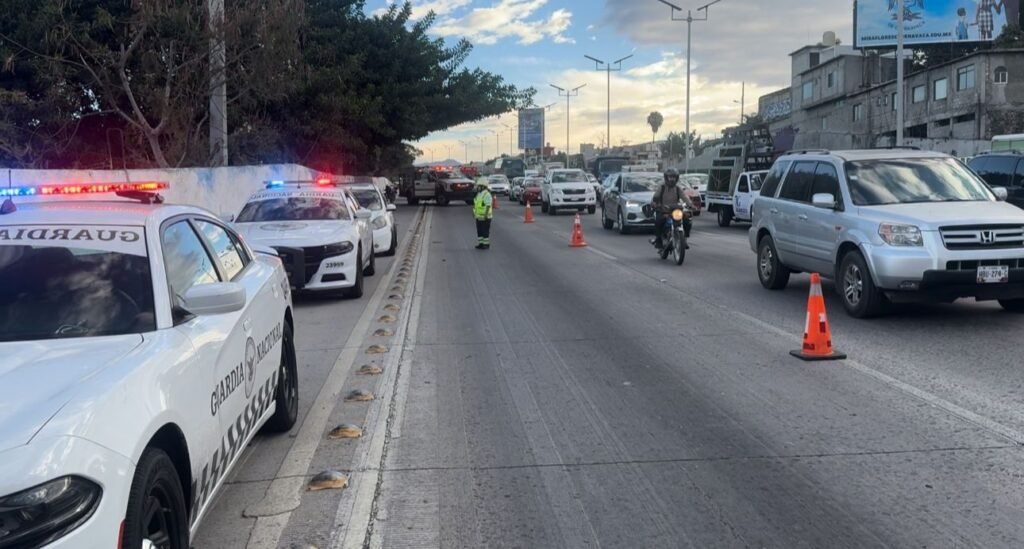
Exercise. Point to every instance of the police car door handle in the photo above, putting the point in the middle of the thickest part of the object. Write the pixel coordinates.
(247, 325)
(803, 217)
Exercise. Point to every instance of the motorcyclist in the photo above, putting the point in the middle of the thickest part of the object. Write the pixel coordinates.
(666, 198)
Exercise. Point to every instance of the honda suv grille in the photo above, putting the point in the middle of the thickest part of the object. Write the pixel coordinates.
(982, 237)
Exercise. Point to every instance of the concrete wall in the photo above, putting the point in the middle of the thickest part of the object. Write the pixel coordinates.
(220, 190)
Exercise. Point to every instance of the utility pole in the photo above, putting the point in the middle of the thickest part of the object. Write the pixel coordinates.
(899, 73)
(467, 150)
(511, 151)
(689, 35)
(483, 158)
(562, 92)
(497, 143)
(742, 101)
(218, 87)
(609, 70)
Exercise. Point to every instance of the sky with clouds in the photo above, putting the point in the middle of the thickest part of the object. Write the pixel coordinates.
(541, 42)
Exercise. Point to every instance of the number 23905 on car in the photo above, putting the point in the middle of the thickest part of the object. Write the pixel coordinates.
(142, 345)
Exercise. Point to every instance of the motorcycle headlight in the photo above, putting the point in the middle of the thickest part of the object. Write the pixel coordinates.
(677, 215)
(898, 234)
(379, 222)
(342, 248)
(44, 513)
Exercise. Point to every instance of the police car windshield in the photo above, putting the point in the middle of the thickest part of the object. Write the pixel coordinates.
(368, 198)
(912, 180)
(640, 183)
(568, 177)
(295, 208)
(59, 292)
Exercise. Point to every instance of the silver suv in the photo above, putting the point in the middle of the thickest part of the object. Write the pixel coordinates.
(888, 225)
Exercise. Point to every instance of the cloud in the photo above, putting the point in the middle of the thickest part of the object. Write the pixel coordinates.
(752, 38)
(420, 8)
(516, 19)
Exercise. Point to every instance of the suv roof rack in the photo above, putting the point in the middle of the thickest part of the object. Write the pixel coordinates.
(1007, 151)
(897, 147)
(807, 151)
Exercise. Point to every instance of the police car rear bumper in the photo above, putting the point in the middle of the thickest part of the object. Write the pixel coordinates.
(331, 273)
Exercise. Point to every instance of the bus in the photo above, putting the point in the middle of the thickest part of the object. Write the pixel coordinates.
(1012, 142)
(512, 167)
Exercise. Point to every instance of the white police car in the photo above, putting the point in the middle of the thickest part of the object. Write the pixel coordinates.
(382, 221)
(142, 345)
(318, 229)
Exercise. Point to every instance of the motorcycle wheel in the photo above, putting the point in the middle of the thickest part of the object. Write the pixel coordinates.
(678, 248)
(666, 248)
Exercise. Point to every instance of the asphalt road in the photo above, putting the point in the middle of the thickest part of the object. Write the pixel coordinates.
(536, 395)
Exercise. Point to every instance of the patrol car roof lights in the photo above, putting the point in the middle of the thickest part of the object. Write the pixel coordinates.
(84, 188)
(324, 181)
(45, 513)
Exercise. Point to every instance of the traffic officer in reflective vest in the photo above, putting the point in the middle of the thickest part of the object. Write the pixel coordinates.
(483, 213)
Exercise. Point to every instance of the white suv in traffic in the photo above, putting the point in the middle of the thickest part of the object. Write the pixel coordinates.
(888, 225)
(567, 189)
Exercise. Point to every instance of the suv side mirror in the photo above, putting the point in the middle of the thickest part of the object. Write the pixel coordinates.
(824, 200)
(1000, 193)
(215, 298)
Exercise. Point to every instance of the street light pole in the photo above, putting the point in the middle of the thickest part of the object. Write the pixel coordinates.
(689, 34)
(609, 70)
(742, 101)
(511, 151)
(497, 143)
(899, 73)
(562, 92)
(465, 144)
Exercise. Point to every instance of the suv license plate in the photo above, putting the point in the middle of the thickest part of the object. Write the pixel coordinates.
(993, 274)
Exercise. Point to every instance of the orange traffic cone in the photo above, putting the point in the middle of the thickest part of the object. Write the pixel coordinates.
(577, 234)
(528, 217)
(494, 202)
(817, 335)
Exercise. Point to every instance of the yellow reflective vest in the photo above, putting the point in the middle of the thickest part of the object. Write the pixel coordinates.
(482, 205)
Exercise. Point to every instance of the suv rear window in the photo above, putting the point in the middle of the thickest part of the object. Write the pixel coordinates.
(773, 178)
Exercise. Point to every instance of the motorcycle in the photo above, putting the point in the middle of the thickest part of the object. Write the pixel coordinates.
(676, 232)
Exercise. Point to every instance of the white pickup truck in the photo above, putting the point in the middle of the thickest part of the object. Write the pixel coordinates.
(738, 203)
(567, 189)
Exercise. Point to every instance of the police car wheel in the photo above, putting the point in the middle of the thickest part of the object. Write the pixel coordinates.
(156, 515)
(356, 291)
(371, 269)
(394, 244)
(286, 397)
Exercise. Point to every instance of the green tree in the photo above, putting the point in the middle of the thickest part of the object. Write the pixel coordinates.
(655, 120)
(675, 144)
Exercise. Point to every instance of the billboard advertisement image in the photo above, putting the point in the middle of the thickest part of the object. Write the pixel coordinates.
(931, 21)
(531, 128)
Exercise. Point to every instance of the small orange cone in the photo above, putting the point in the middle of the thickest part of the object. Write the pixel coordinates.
(528, 217)
(494, 202)
(817, 335)
(577, 234)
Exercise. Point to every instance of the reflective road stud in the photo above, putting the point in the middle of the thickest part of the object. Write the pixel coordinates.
(817, 334)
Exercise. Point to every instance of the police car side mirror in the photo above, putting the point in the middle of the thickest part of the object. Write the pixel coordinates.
(216, 298)
(391, 207)
(1000, 193)
(363, 213)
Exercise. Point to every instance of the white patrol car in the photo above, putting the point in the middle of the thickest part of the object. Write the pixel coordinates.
(319, 230)
(382, 221)
(143, 346)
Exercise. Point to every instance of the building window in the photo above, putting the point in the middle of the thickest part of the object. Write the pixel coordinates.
(940, 89)
(969, 117)
(1001, 75)
(918, 94)
(858, 112)
(808, 90)
(815, 59)
(892, 101)
(824, 123)
(965, 78)
(830, 79)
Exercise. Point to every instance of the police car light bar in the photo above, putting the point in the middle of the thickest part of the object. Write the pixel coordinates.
(87, 188)
(320, 182)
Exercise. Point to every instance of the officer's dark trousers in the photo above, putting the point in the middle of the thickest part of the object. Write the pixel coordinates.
(483, 232)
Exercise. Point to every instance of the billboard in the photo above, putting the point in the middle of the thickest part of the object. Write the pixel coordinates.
(931, 21)
(531, 128)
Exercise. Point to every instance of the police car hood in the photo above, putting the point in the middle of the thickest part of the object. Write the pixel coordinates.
(37, 378)
(297, 233)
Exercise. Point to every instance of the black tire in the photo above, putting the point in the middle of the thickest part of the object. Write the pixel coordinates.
(608, 224)
(286, 396)
(371, 269)
(621, 222)
(1012, 305)
(442, 199)
(394, 244)
(355, 292)
(772, 274)
(861, 298)
(664, 251)
(469, 202)
(544, 207)
(678, 248)
(552, 210)
(413, 201)
(591, 210)
(724, 216)
(156, 504)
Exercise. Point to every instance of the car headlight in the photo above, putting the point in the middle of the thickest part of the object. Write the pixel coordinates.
(379, 222)
(44, 513)
(898, 234)
(342, 248)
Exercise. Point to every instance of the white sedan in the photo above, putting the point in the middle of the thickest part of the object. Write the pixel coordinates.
(499, 184)
(143, 347)
(321, 233)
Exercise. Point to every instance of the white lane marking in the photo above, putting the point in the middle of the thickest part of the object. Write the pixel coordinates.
(285, 492)
(602, 254)
(356, 519)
